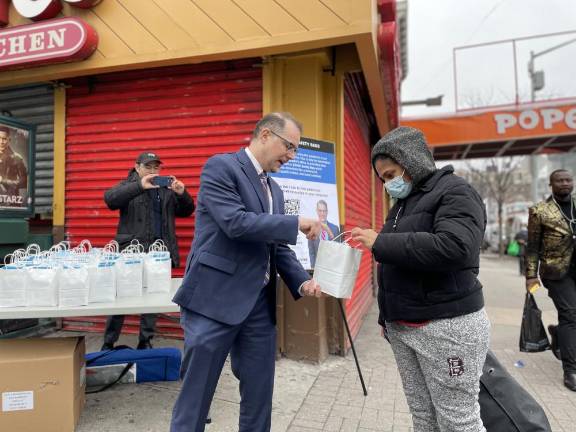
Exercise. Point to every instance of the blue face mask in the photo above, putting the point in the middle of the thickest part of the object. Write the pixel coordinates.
(398, 187)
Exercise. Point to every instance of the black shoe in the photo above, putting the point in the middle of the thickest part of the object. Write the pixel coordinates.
(107, 346)
(144, 345)
(552, 329)
(570, 381)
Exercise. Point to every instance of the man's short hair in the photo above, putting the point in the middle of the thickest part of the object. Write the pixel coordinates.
(556, 172)
(323, 203)
(5, 129)
(275, 121)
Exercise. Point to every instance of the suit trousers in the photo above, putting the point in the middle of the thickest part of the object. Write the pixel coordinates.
(563, 294)
(252, 348)
(114, 325)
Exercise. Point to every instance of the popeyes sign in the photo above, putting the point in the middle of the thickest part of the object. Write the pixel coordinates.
(44, 42)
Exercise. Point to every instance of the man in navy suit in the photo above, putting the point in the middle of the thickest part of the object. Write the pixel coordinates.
(329, 231)
(228, 294)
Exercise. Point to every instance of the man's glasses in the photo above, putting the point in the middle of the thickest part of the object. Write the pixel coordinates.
(290, 147)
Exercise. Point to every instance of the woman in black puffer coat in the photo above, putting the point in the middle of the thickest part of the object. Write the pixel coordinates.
(430, 300)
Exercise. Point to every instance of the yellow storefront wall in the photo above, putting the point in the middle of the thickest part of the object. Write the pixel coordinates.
(307, 46)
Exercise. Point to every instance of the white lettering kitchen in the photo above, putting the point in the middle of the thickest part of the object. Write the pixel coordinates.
(32, 42)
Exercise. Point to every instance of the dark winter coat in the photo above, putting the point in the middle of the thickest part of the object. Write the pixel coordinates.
(429, 251)
(135, 207)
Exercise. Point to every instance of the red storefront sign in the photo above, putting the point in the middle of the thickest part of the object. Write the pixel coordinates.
(56, 41)
(38, 10)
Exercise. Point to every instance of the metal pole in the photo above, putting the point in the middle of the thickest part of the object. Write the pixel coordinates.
(517, 97)
(352, 346)
(531, 73)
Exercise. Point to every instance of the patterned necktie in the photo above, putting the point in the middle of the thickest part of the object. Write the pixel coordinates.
(265, 187)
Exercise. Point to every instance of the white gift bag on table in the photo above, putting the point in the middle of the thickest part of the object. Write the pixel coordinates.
(158, 268)
(129, 271)
(102, 274)
(73, 280)
(42, 282)
(12, 283)
(336, 267)
(73, 285)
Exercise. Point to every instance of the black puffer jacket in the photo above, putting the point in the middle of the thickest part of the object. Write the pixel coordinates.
(136, 213)
(429, 251)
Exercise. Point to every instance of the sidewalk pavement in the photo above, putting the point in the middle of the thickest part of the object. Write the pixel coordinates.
(328, 397)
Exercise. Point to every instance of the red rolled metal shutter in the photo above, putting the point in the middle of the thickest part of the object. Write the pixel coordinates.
(357, 196)
(186, 114)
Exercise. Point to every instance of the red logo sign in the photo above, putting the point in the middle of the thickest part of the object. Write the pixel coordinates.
(57, 41)
(38, 10)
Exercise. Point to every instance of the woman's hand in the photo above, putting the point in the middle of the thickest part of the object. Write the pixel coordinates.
(365, 236)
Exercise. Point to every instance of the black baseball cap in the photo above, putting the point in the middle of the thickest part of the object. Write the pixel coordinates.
(146, 157)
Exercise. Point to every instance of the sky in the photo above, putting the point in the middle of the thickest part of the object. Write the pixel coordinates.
(485, 75)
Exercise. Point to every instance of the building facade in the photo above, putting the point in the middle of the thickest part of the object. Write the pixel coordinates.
(189, 79)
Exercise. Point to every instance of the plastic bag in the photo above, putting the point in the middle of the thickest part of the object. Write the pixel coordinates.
(513, 248)
(533, 337)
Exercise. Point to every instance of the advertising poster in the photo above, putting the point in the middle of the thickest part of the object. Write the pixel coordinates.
(16, 155)
(309, 185)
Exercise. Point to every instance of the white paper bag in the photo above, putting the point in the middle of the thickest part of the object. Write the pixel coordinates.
(42, 285)
(12, 286)
(129, 273)
(158, 272)
(336, 268)
(73, 287)
(102, 281)
(158, 268)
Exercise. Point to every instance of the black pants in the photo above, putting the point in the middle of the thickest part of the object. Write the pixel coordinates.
(522, 265)
(563, 294)
(114, 327)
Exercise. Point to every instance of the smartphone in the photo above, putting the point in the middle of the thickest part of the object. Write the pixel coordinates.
(162, 181)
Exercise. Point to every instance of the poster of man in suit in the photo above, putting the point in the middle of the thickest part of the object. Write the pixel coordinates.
(309, 186)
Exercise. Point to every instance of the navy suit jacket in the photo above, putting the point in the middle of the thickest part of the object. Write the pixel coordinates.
(234, 236)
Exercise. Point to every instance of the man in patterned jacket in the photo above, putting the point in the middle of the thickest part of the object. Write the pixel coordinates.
(550, 255)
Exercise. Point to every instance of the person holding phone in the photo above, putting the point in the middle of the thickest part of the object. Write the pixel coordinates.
(148, 204)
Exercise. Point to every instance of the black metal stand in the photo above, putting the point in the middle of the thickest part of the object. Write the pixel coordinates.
(352, 346)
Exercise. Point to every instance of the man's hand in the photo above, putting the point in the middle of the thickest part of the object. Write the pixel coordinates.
(177, 186)
(365, 236)
(146, 181)
(311, 289)
(530, 282)
(310, 227)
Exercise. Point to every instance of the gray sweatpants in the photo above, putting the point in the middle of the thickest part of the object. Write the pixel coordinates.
(440, 365)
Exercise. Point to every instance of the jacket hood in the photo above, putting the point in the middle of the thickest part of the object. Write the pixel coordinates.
(407, 146)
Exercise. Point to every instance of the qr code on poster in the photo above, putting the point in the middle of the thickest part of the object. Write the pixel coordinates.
(292, 206)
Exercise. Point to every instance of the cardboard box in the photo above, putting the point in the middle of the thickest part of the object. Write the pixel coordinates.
(42, 384)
